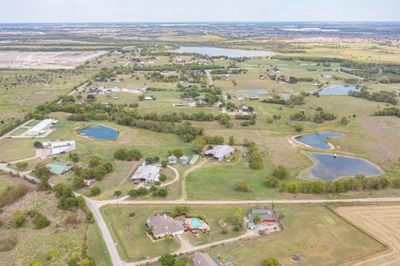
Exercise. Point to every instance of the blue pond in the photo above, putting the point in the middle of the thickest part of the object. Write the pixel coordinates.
(213, 51)
(99, 132)
(338, 90)
(318, 141)
(329, 168)
(254, 91)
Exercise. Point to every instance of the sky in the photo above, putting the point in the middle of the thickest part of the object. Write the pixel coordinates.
(197, 10)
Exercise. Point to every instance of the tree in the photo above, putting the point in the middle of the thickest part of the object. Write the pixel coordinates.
(94, 191)
(164, 164)
(38, 145)
(231, 141)
(198, 145)
(269, 261)
(21, 165)
(242, 187)
(272, 182)
(117, 193)
(163, 177)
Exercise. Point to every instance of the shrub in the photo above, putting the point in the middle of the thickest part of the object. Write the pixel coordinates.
(163, 177)
(242, 187)
(270, 262)
(298, 128)
(94, 191)
(19, 219)
(21, 165)
(40, 221)
(280, 172)
(272, 182)
(8, 244)
(12, 194)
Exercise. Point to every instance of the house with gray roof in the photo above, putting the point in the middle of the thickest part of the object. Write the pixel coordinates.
(220, 152)
(203, 259)
(265, 215)
(146, 173)
(163, 225)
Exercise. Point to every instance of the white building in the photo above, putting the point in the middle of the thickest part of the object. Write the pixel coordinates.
(220, 152)
(146, 173)
(41, 128)
(54, 148)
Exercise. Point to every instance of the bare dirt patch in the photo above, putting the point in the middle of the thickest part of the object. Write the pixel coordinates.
(46, 60)
(382, 222)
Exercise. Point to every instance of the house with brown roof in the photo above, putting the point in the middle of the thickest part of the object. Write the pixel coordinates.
(163, 225)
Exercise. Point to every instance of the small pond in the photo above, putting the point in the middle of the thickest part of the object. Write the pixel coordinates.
(338, 90)
(215, 52)
(329, 168)
(254, 91)
(318, 140)
(100, 133)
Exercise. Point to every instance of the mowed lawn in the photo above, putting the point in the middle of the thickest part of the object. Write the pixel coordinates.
(315, 232)
(130, 232)
(217, 181)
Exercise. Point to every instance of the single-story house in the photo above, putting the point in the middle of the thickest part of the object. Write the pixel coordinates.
(184, 160)
(220, 152)
(58, 168)
(265, 215)
(203, 259)
(146, 173)
(172, 159)
(162, 225)
(54, 148)
(41, 128)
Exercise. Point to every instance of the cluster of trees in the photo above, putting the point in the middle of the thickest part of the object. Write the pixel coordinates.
(142, 191)
(319, 117)
(388, 112)
(199, 143)
(97, 169)
(381, 96)
(158, 77)
(358, 183)
(171, 260)
(128, 155)
(255, 157)
(385, 73)
(43, 174)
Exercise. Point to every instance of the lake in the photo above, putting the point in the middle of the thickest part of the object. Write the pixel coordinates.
(329, 168)
(215, 52)
(338, 90)
(318, 140)
(99, 133)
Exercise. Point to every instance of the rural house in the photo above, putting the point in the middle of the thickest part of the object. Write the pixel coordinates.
(162, 225)
(54, 148)
(265, 215)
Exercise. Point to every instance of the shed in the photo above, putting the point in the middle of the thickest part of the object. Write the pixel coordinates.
(172, 159)
(184, 160)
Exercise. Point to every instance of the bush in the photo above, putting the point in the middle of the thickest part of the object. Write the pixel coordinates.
(128, 155)
(12, 194)
(298, 128)
(94, 191)
(242, 187)
(40, 221)
(270, 262)
(280, 172)
(8, 244)
(163, 177)
(272, 182)
(21, 165)
(18, 219)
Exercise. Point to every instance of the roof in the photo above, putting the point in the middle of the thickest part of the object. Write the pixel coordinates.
(220, 151)
(194, 159)
(172, 158)
(162, 224)
(147, 172)
(264, 214)
(203, 259)
(42, 125)
(58, 168)
(58, 147)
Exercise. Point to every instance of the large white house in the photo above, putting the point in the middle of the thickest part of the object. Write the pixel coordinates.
(41, 128)
(54, 148)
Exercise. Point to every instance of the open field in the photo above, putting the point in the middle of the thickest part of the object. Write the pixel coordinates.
(46, 60)
(315, 232)
(382, 223)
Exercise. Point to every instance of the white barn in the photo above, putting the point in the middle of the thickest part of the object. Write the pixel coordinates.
(54, 148)
(146, 173)
(41, 128)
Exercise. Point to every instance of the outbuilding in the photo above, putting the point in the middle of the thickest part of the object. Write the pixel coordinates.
(220, 152)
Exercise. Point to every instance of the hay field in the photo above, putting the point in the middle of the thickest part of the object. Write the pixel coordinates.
(382, 222)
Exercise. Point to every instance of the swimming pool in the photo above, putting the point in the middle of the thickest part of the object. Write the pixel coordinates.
(196, 223)
(99, 133)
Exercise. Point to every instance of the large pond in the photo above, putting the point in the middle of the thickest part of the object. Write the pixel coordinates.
(100, 133)
(338, 90)
(254, 91)
(215, 52)
(318, 140)
(329, 168)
